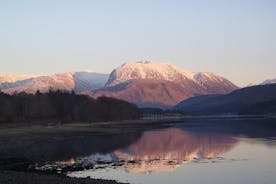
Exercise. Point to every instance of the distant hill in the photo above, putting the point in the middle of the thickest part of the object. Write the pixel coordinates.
(251, 100)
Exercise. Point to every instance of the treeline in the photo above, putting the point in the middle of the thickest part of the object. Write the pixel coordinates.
(64, 106)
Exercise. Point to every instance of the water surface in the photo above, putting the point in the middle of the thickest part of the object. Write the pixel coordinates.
(217, 150)
(200, 151)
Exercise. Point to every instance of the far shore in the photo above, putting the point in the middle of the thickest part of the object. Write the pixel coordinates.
(111, 127)
(146, 120)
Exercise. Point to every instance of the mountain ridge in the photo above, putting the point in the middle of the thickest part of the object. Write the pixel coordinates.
(145, 83)
(77, 81)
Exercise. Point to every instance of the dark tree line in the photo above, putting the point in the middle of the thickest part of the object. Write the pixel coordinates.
(64, 106)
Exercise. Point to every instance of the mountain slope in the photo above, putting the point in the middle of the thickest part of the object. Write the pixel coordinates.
(251, 100)
(89, 81)
(154, 84)
(150, 92)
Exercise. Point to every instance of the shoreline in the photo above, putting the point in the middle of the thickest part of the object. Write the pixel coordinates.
(15, 177)
(147, 120)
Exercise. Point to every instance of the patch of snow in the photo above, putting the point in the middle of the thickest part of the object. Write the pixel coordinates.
(78, 81)
(269, 81)
(9, 78)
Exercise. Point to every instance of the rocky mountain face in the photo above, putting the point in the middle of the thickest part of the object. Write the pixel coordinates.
(160, 84)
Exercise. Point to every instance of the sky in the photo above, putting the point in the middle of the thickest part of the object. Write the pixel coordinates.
(233, 38)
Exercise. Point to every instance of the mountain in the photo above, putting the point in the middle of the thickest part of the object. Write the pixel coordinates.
(77, 81)
(14, 78)
(44, 83)
(160, 84)
(251, 100)
(269, 81)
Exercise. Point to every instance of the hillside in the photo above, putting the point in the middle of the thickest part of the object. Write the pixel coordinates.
(251, 100)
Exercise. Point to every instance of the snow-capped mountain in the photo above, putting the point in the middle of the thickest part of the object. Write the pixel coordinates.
(160, 84)
(167, 72)
(77, 81)
(13, 78)
(269, 81)
(44, 83)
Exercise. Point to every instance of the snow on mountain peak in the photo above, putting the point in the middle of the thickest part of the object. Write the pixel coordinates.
(148, 70)
(78, 81)
(269, 81)
(13, 78)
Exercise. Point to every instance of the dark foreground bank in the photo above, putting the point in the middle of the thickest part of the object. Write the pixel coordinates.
(13, 177)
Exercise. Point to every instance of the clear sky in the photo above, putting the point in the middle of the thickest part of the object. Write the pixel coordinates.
(234, 38)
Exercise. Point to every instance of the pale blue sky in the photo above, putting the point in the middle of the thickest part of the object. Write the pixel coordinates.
(234, 38)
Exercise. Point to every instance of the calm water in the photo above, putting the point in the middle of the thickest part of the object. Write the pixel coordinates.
(232, 151)
(195, 151)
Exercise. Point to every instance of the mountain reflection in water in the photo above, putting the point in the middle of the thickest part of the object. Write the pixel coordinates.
(167, 149)
(163, 150)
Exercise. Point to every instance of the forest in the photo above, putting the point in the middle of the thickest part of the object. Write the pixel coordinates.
(65, 106)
